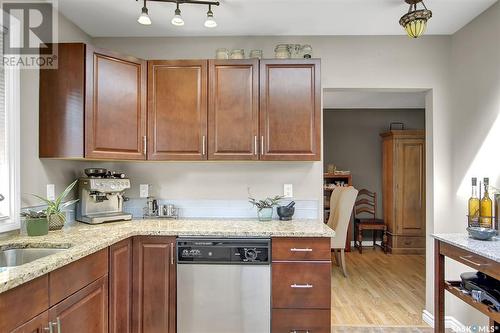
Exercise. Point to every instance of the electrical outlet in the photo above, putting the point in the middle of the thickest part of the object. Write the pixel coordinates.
(144, 190)
(51, 191)
(288, 190)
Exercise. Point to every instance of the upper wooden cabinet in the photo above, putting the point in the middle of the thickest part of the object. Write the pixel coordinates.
(290, 110)
(115, 115)
(233, 110)
(93, 105)
(177, 110)
(101, 105)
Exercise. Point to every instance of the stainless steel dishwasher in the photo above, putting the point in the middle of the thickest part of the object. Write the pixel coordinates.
(223, 285)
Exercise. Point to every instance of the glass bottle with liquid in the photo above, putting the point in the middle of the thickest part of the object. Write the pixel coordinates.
(474, 205)
(486, 210)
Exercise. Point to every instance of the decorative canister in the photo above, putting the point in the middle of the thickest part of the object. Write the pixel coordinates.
(307, 51)
(295, 50)
(238, 54)
(281, 51)
(222, 53)
(256, 54)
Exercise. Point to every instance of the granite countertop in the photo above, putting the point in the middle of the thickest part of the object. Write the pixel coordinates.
(488, 249)
(83, 239)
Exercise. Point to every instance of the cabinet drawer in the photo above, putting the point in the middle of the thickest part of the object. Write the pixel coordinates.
(290, 249)
(301, 285)
(409, 242)
(300, 321)
(73, 277)
(22, 303)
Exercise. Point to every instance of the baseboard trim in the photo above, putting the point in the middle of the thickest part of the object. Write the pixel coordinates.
(367, 243)
(449, 322)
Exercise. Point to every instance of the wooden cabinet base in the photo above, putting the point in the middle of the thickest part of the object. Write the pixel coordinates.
(405, 244)
(295, 320)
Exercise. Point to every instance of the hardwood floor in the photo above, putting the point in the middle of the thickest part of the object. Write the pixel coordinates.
(379, 291)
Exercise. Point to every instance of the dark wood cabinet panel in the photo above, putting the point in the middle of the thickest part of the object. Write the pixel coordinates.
(71, 278)
(290, 110)
(301, 285)
(115, 123)
(300, 320)
(62, 104)
(120, 287)
(233, 110)
(19, 305)
(177, 110)
(297, 249)
(39, 324)
(154, 289)
(83, 312)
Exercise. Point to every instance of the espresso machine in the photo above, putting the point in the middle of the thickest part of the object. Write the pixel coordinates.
(101, 197)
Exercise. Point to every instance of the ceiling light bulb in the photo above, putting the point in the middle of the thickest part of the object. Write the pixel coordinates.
(210, 21)
(144, 17)
(177, 19)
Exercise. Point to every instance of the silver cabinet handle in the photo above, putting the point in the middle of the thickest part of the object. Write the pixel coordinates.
(57, 324)
(48, 329)
(298, 331)
(466, 259)
(301, 250)
(171, 253)
(203, 145)
(301, 286)
(262, 152)
(255, 145)
(145, 143)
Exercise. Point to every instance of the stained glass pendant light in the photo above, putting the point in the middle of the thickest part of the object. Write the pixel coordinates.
(415, 21)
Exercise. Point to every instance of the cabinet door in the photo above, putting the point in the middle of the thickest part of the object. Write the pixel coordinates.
(177, 110)
(290, 110)
(410, 187)
(83, 312)
(115, 124)
(233, 110)
(39, 324)
(154, 295)
(120, 287)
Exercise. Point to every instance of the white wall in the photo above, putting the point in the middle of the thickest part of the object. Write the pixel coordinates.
(36, 173)
(475, 121)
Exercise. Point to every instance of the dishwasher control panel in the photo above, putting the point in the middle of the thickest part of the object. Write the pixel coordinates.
(223, 251)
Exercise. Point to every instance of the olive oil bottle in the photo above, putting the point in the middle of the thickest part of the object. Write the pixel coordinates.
(486, 210)
(474, 205)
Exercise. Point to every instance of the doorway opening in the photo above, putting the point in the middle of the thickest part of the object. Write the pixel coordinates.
(374, 141)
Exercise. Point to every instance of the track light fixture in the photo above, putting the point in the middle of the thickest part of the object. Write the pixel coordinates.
(177, 20)
(144, 17)
(415, 21)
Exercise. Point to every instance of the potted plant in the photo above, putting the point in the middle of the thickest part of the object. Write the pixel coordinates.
(55, 208)
(265, 207)
(36, 223)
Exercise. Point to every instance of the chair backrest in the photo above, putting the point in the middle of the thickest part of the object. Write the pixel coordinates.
(366, 203)
(341, 205)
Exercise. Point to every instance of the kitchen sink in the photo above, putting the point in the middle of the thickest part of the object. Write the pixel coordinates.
(11, 257)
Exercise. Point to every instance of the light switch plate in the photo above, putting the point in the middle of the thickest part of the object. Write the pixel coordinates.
(51, 191)
(288, 190)
(144, 190)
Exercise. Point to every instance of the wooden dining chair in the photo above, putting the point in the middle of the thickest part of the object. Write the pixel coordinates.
(365, 218)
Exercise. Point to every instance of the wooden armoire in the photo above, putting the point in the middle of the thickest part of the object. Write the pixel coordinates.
(403, 190)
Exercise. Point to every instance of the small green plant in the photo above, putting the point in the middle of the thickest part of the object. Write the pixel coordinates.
(56, 207)
(266, 203)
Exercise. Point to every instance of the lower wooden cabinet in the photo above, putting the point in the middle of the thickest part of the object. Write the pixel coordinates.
(294, 320)
(120, 287)
(301, 285)
(39, 324)
(154, 285)
(83, 312)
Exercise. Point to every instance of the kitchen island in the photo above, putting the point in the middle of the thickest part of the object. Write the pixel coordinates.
(135, 263)
(483, 256)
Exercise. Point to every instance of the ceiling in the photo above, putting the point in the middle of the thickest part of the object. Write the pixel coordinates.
(373, 99)
(117, 18)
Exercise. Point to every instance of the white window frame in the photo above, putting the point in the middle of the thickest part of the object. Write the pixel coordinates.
(13, 111)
